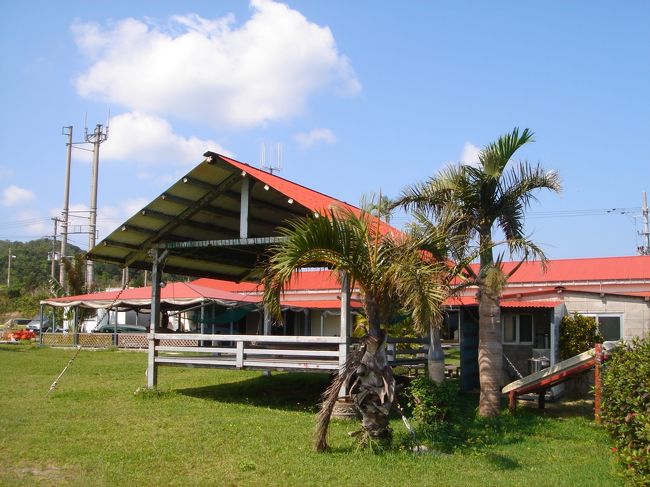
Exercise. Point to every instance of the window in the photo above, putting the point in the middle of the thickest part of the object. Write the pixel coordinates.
(609, 326)
(518, 329)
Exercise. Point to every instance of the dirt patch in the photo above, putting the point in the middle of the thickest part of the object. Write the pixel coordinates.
(48, 474)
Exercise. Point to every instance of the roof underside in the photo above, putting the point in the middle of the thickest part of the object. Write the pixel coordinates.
(205, 206)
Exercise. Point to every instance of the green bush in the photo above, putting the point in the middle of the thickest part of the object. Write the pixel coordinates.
(432, 403)
(626, 406)
(578, 334)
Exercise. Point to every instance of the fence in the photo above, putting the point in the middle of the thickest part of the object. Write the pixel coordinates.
(242, 351)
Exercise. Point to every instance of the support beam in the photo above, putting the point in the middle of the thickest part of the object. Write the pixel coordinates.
(345, 324)
(243, 209)
(187, 213)
(156, 271)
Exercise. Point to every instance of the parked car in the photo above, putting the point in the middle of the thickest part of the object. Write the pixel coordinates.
(108, 328)
(17, 322)
(35, 324)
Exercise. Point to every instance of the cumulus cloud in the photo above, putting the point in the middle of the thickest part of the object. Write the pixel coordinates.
(307, 139)
(210, 70)
(148, 139)
(14, 196)
(470, 154)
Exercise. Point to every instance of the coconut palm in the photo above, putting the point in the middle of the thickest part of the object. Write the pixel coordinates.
(481, 199)
(393, 276)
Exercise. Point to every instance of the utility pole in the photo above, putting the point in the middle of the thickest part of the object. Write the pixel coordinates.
(53, 253)
(66, 208)
(96, 138)
(646, 226)
(10, 258)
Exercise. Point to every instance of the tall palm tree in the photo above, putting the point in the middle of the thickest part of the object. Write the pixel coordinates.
(481, 199)
(393, 276)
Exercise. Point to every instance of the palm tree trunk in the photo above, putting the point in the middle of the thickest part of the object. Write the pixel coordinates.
(374, 390)
(490, 354)
(436, 356)
(490, 345)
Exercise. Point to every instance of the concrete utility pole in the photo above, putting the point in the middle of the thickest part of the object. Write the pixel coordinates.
(11, 257)
(96, 138)
(53, 256)
(66, 208)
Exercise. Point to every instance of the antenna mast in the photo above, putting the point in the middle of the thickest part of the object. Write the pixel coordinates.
(274, 163)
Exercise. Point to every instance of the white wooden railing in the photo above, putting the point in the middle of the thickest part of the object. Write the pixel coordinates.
(250, 351)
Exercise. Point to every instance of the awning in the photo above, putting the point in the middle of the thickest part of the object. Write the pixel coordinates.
(177, 294)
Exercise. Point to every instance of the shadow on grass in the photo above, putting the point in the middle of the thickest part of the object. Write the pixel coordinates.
(289, 391)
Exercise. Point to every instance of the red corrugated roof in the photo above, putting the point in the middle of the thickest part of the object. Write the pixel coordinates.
(309, 198)
(173, 290)
(312, 280)
(588, 269)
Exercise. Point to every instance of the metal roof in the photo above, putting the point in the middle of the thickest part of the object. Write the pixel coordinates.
(204, 206)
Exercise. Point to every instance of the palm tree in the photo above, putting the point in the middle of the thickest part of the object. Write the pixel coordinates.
(393, 276)
(481, 198)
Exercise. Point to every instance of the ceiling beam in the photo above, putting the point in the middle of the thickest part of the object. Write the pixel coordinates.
(186, 213)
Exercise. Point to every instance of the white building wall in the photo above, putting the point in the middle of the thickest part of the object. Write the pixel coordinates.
(635, 312)
(331, 323)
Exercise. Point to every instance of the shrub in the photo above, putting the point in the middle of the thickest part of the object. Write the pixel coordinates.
(578, 334)
(432, 403)
(626, 406)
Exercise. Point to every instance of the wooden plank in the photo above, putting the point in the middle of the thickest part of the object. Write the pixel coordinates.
(297, 353)
(194, 360)
(251, 338)
(292, 365)
(230, 350)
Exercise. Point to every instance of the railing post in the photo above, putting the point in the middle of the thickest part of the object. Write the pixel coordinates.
(240, 354)
(598, 349)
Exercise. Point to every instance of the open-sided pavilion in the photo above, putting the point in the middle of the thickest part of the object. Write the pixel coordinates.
(218, 221)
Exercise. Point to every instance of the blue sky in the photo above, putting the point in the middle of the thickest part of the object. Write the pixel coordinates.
(364, 97)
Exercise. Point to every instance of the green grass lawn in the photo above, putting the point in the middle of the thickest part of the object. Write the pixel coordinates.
(211, 427)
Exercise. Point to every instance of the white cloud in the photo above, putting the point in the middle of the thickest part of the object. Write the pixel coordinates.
(15, 196)
(470, 154)
(307, 139)
(211, 70)
(150, 140)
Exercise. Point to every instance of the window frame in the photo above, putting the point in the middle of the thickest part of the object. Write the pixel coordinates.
(517, 320)
(620, 316)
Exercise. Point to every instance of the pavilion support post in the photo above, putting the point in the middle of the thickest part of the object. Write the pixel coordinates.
(202, 319)
(42, 315)
(152, 368)
(243, 212)
(345, 324)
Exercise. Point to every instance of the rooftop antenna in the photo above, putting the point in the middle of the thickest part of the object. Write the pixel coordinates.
(274, 164)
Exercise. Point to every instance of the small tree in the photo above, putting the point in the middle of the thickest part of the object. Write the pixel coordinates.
(578, 333)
